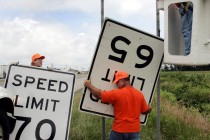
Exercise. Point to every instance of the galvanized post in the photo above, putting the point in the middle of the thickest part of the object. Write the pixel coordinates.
(103, 118)
(158, 81)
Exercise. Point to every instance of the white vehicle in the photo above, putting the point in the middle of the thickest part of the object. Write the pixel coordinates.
(7, 120)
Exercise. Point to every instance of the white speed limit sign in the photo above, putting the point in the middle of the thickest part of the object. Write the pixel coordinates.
(121, 47)
(42, 104)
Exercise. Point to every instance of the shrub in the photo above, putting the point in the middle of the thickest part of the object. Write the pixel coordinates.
(168, 96)
(191, 89)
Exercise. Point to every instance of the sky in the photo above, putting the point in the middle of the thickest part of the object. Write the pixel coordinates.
(64, 31)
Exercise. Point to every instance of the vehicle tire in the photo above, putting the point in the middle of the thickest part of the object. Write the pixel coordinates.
(4, 125)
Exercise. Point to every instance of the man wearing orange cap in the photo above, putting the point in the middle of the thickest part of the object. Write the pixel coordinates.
(128, 104)
(37, 60)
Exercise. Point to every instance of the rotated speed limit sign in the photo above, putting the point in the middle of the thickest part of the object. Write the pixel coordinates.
(121, 47)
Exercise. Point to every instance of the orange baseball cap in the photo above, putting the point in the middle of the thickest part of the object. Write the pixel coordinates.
(120, 75)
(37, 56)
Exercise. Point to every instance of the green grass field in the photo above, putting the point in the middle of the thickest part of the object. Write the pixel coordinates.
(185, 111)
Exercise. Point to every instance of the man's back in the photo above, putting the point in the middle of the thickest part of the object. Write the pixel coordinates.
(128, 103)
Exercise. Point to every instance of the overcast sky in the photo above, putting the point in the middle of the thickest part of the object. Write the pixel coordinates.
(64, 31)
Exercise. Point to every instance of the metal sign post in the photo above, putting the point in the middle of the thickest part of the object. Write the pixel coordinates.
(158, 82)
(103, 118)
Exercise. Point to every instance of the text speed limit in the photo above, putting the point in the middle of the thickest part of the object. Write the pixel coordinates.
(42, 102)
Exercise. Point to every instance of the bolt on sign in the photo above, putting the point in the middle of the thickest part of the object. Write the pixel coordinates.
(121, 47)
(42, 102)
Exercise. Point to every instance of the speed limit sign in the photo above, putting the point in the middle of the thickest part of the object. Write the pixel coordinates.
(121, 47)
(42, 103)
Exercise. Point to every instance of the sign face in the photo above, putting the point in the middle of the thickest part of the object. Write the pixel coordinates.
(121, 47)
(42, 105)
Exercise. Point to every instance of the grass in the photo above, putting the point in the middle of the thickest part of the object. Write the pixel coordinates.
(85, 126)
(177, 121)
(180, 123)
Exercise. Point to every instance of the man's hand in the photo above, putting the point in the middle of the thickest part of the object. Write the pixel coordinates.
(177, 4)
(148, 110)
(93, 90)
(87, 83)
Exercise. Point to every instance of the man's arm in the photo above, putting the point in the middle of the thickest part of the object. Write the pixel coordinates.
(95, 91)
(187, 6)
(148, 110)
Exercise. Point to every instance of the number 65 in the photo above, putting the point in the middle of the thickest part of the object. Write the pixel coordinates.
(123, 53)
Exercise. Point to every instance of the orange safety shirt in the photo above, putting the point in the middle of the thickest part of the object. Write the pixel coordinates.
(128, 104)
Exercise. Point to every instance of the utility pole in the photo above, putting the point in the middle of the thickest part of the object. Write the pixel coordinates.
(103, 118)
(158, 81)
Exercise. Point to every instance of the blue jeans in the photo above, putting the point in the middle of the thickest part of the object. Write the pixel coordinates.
(187, 27)
(124, 136)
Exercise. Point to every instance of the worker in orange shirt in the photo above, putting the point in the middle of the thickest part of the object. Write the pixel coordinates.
(128, 104)
(37, 60)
